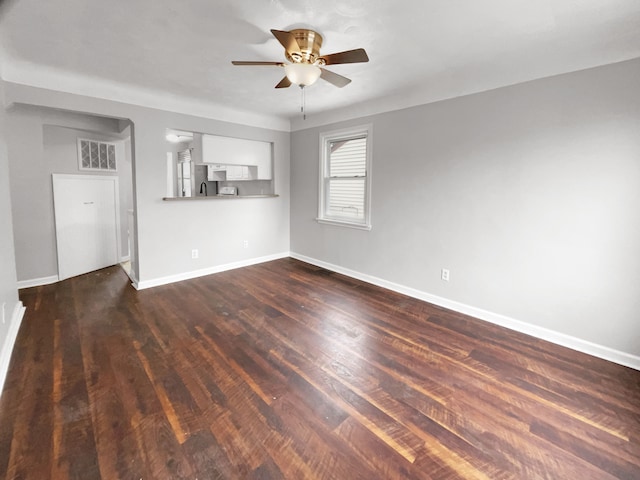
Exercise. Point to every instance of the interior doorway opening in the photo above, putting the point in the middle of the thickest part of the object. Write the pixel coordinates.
(46, 142)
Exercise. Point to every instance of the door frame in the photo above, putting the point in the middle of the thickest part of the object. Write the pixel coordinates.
(116, 193)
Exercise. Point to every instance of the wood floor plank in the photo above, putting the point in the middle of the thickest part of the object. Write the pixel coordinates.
(286, 370)
(30, 454)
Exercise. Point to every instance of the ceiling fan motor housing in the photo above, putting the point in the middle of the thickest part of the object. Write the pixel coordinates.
(309, 43)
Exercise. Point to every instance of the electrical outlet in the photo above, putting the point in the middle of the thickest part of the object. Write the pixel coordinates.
(194, 253)
(444, 275)
(246, 243)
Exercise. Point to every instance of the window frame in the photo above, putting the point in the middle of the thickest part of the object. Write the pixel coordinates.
(98, 142)
(323, 186)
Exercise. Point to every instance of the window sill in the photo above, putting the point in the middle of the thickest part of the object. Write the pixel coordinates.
(338, 223)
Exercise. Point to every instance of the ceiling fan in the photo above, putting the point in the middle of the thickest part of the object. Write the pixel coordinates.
(302, 49)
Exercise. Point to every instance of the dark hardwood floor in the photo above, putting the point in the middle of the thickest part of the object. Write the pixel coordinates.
(285, 370)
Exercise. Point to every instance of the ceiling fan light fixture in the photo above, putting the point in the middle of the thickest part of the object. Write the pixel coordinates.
(303, 74)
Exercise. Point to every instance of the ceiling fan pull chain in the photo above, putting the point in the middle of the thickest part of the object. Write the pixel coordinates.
(303, 102)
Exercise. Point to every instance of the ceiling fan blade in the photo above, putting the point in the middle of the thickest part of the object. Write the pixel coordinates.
(284, 83)
(277, 64)
(350, 56)
(333, 78)
(287, 39)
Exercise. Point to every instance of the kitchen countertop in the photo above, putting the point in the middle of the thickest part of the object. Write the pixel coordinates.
(217, 197)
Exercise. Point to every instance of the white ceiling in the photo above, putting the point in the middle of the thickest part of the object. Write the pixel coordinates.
(177, 55)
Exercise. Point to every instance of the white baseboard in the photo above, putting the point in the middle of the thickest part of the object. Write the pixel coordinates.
(126, 258)
(36, 282)
(9, 342)
(206, 271)
(552, 336)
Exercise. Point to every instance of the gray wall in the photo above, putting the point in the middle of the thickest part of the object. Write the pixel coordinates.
(529, 194)
(8, 288)
(168, 231)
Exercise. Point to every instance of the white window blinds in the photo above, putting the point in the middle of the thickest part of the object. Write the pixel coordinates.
(346, 180)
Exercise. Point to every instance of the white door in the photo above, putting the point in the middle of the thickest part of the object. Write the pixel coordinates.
(87, 223)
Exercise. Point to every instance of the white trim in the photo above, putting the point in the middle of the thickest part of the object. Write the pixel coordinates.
(36, 282)
(10, 341)
(126, 258)
(207, 271)
(574, 343)
(337, 223)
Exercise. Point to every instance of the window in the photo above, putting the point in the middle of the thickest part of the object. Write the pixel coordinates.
(186, 181)
(94, 155)
(345, 176)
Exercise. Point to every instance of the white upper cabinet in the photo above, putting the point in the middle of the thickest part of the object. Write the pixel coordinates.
(214, 149)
